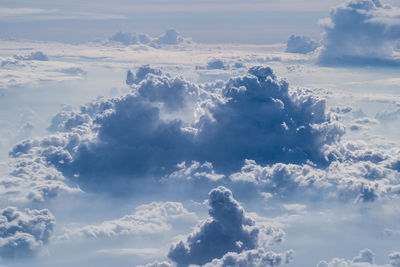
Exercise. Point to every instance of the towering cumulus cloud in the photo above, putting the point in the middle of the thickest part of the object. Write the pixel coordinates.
(22, 234)
(227, 230)
(361, 32)
(166, 121)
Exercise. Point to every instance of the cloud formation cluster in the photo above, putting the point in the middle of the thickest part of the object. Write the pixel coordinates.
(31, 69)
(356, 172)
(166, 121)
(361, 32)
(24, 233)
(228, 229)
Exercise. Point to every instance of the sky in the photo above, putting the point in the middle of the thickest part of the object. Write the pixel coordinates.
(200, 133)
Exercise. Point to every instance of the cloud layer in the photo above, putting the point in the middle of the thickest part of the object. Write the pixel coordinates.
(170, 37)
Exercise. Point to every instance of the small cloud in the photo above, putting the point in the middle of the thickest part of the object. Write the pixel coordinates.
(301, 44)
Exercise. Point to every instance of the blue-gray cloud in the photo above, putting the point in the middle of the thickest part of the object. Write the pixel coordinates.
(170, 37)
(228, 229)
(300, 44)
(361, 32)
(24, 233)
(146, 133)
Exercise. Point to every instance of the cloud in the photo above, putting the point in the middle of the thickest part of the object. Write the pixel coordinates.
(361, 32)
(33, 56)
(31, 69)
(388, 116)
(165, 121)
(127, 38)
(195, 171)
(32, 179)
(24, 233)
(158, 264)
(395, 259)
(153, 218)
(356, 172)
(216, 64)
(228, 229)
(170, 37)
(366, 258)
(253, 258)
(300, 44)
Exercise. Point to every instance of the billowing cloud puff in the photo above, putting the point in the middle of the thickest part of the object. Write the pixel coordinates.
(253, 258)
(356, 172)
(260, 119)
(153, 218)
(228, 229)
(300, 44)
(166, 121)
(365, 258)
(170, 37)
(24, 233)
(361, 32)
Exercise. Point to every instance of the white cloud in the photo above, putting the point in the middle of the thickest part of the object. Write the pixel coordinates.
(150, 219)
(366, 258)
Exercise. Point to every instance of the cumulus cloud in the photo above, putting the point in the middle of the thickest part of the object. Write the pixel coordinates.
(253, 258)
(170, 37)
(24, 233)
(153, 218)
(195, 170)
(366, 258)
(228, 229)
(166, 121)
(300, 44)
(216, 64)
(361, 32)
(127, 38)
(356, 172)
